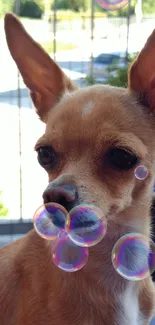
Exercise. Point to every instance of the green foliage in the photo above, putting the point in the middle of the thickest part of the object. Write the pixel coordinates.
(85, 5)
(120, 79)
(119, 76)
(34, 8)
(29, 8)
(148, 6)
(42, 3)
(5, 6)
(78, 6)
(70, 4)
(3, 210)
(73, 5)
(63, 4)
(90, 80)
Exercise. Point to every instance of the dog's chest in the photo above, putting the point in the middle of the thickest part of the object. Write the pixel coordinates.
(128, 308)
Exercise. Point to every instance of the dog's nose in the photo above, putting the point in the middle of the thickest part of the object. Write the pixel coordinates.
(66, 195)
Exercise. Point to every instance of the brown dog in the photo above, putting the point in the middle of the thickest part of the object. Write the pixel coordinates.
(94, 139)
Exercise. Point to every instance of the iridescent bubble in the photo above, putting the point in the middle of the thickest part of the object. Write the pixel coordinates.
(141, 172)
(86, 225)
(112, 4)
(67, 255)
(49, 220)
(133, 257)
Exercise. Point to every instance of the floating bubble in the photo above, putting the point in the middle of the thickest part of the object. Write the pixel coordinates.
(67, 255)
(133, 257)
(141, 172)
(86, 226)
(112, 4)
(49, 220)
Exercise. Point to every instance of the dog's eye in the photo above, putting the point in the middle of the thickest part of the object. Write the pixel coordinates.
(47, 157)
(121, 159)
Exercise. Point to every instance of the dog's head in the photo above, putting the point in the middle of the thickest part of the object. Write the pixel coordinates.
(95, 137)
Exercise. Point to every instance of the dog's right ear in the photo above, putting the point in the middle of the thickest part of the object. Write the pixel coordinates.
(41, 74)
(141, 77)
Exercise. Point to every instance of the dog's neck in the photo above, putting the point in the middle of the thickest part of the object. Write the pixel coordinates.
(84, 293)
(98, 285)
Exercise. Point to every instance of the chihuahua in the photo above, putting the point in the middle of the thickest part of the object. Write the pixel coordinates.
(94, 139)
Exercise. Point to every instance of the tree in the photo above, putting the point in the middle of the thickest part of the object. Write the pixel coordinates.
(75, 5)
(45, 6)
(3, 210)
(5, 6)
(29, 8)
(80, 5)
(148, 7)
(43, 3)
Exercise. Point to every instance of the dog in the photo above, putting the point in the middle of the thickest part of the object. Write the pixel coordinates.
(94, 139)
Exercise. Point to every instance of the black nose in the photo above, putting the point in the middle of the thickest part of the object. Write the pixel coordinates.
(66, 195)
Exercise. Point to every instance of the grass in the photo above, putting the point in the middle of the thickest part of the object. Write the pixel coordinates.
(60, 46)
(3, 210)
(69, 15)
(64, 15)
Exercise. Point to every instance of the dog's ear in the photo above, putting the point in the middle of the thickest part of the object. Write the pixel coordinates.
(41, 74)
(142, 74)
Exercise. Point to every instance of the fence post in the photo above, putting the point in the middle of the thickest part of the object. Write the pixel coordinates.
(17, 11)
(54, 28)
(17, 7)
(138, 12)
(128, 30)
(92, 37)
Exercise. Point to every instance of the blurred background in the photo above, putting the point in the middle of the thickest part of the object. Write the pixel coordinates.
(92, 45)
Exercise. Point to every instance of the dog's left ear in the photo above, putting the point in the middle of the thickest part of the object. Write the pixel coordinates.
(41, 74)
(141, 78)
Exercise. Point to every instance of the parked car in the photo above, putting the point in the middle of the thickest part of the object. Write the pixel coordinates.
(105, 60)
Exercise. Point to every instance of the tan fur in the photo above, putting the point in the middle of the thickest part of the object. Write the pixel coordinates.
(32, 289)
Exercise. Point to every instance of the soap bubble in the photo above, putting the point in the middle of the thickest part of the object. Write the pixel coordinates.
(141, 172)
(112, 4)
(49, 220)
(67, 255)
(86, 226)
(133, 257)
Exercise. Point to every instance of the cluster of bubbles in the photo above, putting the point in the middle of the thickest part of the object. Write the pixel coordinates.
(112, 5)
(72, 233)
